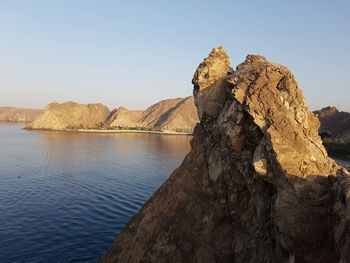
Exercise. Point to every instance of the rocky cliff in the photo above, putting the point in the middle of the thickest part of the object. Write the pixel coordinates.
(122, 117)
(334, 123)
(14, 114)
(167, 115)
(182, 117)
(172, 114)
(257, 185)
(60, 116)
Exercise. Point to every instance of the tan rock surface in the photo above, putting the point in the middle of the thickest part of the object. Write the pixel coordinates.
(182, 117)
(270, 94)
(207, 80)
(156, 113)
(257, 185)
(167, 115)
(178, 114)
(60, 116)
(14, 114)
(123, 117)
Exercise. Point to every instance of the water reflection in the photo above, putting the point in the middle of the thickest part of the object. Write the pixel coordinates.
(64, 196)
(124, 142)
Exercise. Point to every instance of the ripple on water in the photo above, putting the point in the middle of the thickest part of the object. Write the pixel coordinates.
(64, 197)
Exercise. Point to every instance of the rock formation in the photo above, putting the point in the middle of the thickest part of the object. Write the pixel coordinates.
(257, 185)
(60, 116)
(122, 117)
(183, 117)
(167, 115)
(334, 123)
(13, 114)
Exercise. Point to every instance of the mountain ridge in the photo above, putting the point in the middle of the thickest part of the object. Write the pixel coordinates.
(334, 123)
(60, 116)
(15, 114)
(177, 114)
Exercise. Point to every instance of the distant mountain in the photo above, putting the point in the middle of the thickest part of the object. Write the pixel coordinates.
(70, 115)
(122, 117)
(182, 117)
(14, 114)
(334, 123)
(178, 114)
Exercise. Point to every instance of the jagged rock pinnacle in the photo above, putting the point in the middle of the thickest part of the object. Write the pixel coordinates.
(213, 68)
(257, 185)
(209, 73)
(270, 94)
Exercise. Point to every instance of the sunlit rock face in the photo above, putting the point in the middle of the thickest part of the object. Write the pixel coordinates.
(208, 83)
(167, 115)
(257, 185)
(61, 116)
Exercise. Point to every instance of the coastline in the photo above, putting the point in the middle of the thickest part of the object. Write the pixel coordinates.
(9, 121)
(130, 131)
(114, 131)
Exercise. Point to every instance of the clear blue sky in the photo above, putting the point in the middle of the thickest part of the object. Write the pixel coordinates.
(135, 53)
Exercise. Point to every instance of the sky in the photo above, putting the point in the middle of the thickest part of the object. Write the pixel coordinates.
(135, 53)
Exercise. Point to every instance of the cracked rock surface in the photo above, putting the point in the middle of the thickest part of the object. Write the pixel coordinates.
(257, 186)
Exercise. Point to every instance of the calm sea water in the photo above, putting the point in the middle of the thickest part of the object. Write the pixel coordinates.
(65, 196)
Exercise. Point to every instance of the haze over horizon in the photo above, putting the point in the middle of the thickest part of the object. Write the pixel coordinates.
(88, 52)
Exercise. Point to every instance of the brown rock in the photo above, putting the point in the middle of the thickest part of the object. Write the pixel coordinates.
(167, 115)
(334, 123)
(156, 114)
(207, 80)
(123, 117)
(257, 185)
(182, 117)
(13, 114)
(270, 94)
(61, 116)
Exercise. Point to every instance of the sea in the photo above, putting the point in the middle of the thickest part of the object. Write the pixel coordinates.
(64, 196)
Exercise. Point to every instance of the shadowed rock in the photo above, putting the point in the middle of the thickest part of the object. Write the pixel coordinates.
(257, 185)
(334, 124)
(167, 115)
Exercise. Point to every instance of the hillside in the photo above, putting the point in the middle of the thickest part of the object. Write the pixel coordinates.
(14, 114)
(335, 131)
(172, 114)
(122, 117)
(182, 117)
(167, 115)
(334, 124)
(70, 115)
(157, 113)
